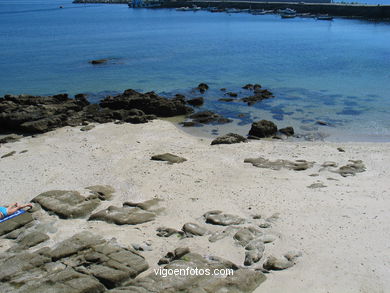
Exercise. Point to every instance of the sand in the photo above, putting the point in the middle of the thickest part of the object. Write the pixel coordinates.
(342, 230)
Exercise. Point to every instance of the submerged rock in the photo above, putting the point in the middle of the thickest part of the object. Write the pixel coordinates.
(231, 94)
(229, 138)
(196, 101)
(263, 128)
(226, 99)
(98, 61)
(208, 117)
(170, 158)
(202, 87)
(248, 86)
(289, 131)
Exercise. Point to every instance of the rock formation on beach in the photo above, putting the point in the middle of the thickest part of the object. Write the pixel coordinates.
(87, 262)
(38, 114)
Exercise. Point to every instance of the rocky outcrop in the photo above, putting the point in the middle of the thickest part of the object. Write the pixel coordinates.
(263, 128)
(297, 165)
(149, 103)
(238, 280)
(123, 215)
(82, 263)
(32, 114)
(170, 158)
(15, 223)
(229, 139)
(39, 114)
(67, 204)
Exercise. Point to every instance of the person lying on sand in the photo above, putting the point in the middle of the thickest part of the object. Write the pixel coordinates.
(9, 210)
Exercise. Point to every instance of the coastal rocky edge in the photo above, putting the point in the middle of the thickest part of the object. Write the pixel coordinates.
(27, 114)
(36, 261)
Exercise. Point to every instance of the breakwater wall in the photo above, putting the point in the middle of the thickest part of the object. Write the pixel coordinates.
(334, 9)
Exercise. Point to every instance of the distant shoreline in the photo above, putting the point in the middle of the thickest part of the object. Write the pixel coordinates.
(366, 11)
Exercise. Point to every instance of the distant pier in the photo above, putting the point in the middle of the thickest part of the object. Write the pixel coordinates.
(381, 12)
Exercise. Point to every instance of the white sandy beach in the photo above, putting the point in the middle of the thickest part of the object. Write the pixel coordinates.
(342, 230)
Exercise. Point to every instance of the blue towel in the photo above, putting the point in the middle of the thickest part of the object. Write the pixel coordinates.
(17, 213)
(3, 210)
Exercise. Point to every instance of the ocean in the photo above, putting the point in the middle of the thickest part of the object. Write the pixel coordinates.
(334, 71)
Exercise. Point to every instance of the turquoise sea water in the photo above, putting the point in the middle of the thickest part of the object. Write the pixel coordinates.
(336, 71)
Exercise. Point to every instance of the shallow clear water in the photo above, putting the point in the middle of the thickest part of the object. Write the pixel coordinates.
(336, 71)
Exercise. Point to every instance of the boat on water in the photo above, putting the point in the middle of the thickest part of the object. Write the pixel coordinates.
(287, 11)
(233, 10)
(196, 8)
(183, 9)
(288, 15)
(324, 17)
(306, 15)
(217, 10)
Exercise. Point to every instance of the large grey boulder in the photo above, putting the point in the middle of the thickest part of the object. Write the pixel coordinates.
(67, 204)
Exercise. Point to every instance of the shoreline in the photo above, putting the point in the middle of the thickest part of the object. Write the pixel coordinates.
(365, 11)
(187, 111)
(340, 228)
